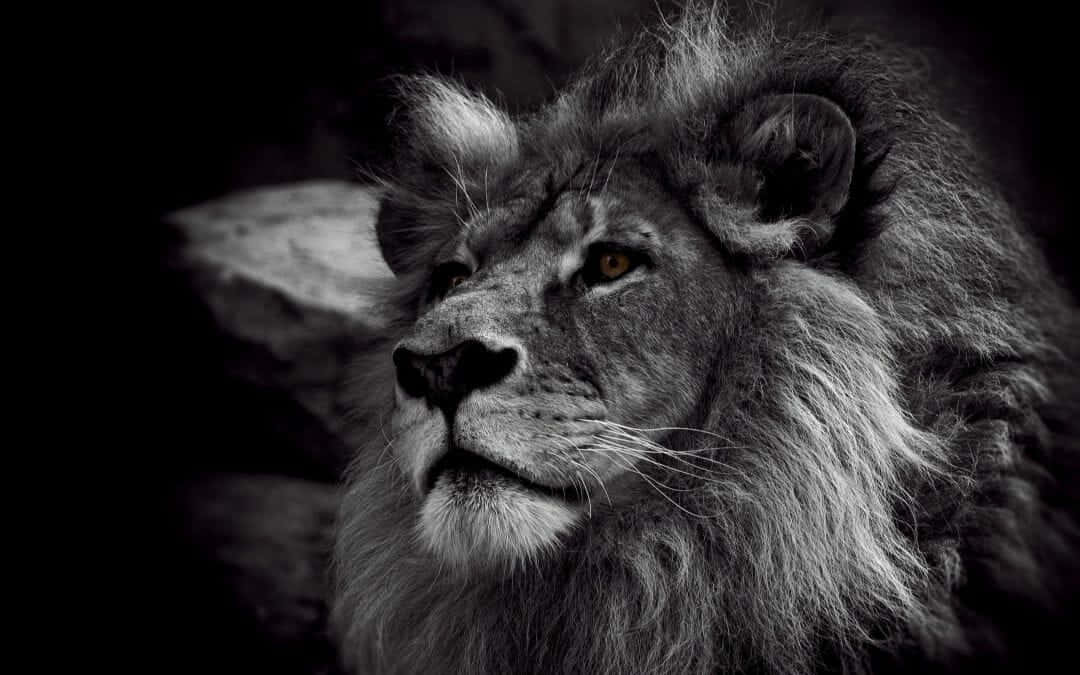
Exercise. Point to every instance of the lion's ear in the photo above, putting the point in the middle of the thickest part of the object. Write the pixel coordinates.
(802, 147)
(396, 232)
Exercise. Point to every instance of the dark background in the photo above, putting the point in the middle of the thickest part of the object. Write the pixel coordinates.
(224, 102)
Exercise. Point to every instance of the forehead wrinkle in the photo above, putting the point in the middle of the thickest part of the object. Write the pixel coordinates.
(573, 223)
(525, 207)
(597, 222)
(561, 225)
(590, 225)
(499, 226)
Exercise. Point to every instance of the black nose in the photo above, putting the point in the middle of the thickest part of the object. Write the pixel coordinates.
(444, 379)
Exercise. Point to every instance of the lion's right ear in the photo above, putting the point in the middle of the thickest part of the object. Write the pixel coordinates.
(400, 241)
(800, 148)
(451, 140)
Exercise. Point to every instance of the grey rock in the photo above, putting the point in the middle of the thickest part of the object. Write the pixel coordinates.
(285, 272)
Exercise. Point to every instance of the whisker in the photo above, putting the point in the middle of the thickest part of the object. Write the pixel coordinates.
(585, 488)
(629, 455)
(382, 453)
(612, 167)
(459, 182)
(596, 165)
(657, 449)
(661, 490)
(650, 446)
(487, 202)
(582, 464)
(599, 480)
(609, 423)
(632, 453)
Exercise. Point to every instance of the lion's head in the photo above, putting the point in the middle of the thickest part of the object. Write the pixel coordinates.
(672, 384)
(558, 324)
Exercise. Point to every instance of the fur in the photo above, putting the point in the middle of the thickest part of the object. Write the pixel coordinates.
(867, 469)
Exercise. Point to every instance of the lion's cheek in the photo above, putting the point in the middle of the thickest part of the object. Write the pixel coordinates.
(496, 526)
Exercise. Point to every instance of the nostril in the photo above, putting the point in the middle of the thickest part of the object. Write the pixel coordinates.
(410, 372)
(504, 362)
(486, 366)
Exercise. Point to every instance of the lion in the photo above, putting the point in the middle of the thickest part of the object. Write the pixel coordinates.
(732, 357)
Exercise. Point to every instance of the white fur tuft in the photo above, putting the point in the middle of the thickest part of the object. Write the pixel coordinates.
(461, 128)
(507, 524)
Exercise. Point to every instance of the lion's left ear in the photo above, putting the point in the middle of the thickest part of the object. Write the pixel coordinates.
(802, 148)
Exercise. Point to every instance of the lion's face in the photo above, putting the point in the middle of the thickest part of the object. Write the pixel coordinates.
(547, 329)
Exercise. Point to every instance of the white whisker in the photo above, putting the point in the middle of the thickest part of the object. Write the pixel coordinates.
(643, 457)
(584, 464)
(660, 488)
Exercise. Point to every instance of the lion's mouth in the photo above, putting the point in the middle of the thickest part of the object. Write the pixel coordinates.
(469, 471)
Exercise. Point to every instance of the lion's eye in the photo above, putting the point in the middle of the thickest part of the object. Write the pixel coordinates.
(613, 265)
(606, 263)
(448, 276)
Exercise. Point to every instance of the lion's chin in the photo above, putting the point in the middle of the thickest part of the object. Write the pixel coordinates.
(483, 520)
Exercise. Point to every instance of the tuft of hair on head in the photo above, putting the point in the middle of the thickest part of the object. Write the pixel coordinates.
(450, 141)
(451, 127)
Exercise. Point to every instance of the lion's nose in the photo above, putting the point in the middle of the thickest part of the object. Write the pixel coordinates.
(445, 378)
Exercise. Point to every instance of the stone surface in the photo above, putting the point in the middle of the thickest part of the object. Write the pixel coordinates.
(283, 271)
(312, 241)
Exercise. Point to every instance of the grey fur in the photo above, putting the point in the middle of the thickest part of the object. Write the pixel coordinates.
(875, 416)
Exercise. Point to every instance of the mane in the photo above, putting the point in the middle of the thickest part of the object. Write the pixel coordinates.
(893, 404)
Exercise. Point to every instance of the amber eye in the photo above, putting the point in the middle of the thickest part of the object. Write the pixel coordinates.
(448, 276)
(613, 265)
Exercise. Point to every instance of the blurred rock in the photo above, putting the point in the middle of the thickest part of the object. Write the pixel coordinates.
(283, 271)
(312, 241)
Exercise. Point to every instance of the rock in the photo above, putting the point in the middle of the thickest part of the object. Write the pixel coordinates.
(312, 241)
(284, 273)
